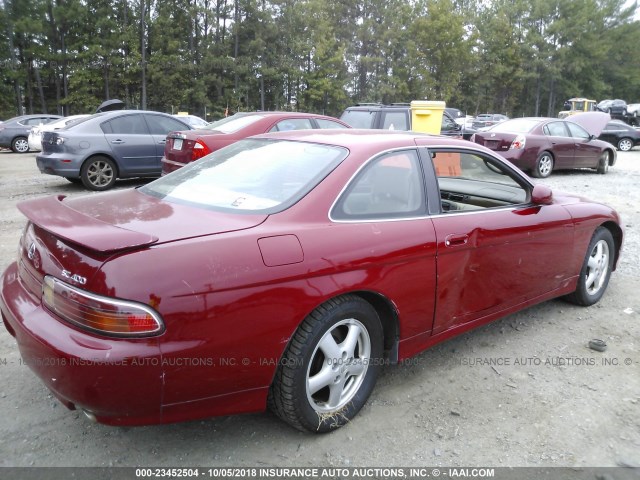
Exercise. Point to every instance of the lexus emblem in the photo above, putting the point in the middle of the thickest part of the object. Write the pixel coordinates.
(493, 135)
(31, 253)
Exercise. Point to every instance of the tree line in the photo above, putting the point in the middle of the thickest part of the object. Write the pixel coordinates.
(519, 57)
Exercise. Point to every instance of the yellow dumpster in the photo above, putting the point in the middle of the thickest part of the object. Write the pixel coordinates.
(426, 116)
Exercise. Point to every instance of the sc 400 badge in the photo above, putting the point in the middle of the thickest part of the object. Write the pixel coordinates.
(73, 276)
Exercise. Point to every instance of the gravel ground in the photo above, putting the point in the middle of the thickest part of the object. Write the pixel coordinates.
(549, 401)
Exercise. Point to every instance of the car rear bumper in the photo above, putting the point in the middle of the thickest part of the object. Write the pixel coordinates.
(117, 381)
(61, 164)
(169, 166)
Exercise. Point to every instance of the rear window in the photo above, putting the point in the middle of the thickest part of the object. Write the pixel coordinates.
(517, 125)
(359, 118)
(253, 175)
(233, 124)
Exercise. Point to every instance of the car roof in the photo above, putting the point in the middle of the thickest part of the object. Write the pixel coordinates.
(282, 113)
(115, 113)
(350, 138)
(539, 119)
(379, 106)
(36, 115)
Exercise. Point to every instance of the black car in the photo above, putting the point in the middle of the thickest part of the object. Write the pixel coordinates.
(14, 133)
(613, 107)
(397, 116)
(621, 135)
(455, 113)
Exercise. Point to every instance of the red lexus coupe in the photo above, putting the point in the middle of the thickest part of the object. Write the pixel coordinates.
(284, 270)
(190, 145)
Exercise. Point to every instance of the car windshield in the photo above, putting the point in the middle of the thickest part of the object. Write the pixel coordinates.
(233, 123)
(253, 175)
(517, 125)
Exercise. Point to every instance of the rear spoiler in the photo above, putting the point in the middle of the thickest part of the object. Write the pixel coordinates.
(52, 215)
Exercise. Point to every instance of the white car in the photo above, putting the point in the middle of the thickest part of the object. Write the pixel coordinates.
(35, 135)
(633, 109)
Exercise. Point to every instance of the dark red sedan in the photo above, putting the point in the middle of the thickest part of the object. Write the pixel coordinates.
(190, 145)
(542, 145)
(285, 270)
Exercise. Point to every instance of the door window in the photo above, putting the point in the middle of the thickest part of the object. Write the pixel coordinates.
(469, 181)
(448, 125)
(126, 125)
(359, 118)
(577, 131)
(161, 125)
(556, 129)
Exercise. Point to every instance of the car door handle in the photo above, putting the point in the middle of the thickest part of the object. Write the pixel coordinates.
(117, 142)
(454, 240)
(162, 142)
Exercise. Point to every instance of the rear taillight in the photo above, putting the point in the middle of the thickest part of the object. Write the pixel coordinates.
(199, 150)
(103, 315)
(518, 143)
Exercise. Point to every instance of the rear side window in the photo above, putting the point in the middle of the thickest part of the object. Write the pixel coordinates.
(161, 125)
(390, 187)
(35, 121)
(324, 123)
(292, 124)
(126, 125)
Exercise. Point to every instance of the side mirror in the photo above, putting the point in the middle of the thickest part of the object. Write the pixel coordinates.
(541, 195)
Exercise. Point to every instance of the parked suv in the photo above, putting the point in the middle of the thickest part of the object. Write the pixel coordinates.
(397, 116)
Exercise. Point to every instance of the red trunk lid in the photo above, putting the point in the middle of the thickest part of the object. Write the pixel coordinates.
(498, 142)
(128, 219)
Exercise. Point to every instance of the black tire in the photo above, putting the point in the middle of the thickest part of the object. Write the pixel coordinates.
(596, 269)
(603, 163)
(625, 144)
(20, 145)
(544, 165)
(293, 395)
(98, 173)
